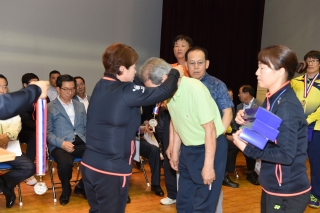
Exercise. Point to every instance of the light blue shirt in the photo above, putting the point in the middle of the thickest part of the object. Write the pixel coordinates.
(52, 93)
(69, 110)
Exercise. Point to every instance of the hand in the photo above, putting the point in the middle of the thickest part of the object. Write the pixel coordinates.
(239, 118)
(229, 137)
(67, 146)
(4, 139)
(169, 151)
(180, 69)
(174, 161)
(44, 86)
(241, 144)
(147, 129)
(208, 175)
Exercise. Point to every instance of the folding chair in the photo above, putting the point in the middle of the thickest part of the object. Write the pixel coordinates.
(76, 161)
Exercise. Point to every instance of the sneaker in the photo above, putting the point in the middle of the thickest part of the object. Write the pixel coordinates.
(314, 202)
(167, 201)
(31, 181)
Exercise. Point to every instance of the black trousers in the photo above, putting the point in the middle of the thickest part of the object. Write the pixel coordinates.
(29, 137)
(276, 204)
(152, 153)
(22, 168)
(64, 162)
(232, 157)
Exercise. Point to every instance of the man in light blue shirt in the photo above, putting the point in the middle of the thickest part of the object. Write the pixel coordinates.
(52, 92)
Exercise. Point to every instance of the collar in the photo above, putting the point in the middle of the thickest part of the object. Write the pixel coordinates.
(205, 77)
(110, 78)
(64, 104)
(52, 88)
(284, 86)
(85, 97)
(250, 103)
(306, 74)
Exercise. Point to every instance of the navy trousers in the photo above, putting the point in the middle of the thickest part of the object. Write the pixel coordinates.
(22, 168)
(314, 159)
(105, 193)
(193, 196)
(276, 204)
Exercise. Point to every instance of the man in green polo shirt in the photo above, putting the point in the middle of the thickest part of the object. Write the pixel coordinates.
(199, 146)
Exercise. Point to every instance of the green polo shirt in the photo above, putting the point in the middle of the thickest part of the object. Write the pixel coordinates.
(190, 107)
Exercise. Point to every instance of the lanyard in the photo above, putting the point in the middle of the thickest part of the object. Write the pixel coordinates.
(155, 110)
(268, 96)
(307, 88)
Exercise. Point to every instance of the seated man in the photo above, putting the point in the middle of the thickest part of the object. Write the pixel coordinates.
(22, 167)
(246, 96)
(28, 132)
(81, 95)
(66, 134)
(151, 152)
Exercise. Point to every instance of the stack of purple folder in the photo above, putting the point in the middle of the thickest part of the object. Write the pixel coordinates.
(262, 127)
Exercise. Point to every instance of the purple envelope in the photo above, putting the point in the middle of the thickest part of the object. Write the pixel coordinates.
(263, 129)
(253, 138)
(264, 116)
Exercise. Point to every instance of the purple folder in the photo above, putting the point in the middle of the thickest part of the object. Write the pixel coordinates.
(263, 129)
(264, 116)
(253, 138)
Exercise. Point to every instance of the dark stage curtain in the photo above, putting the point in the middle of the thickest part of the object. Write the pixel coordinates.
(230, 30)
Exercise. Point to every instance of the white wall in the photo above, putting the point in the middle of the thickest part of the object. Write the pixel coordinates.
(70, 35)
(293, 23)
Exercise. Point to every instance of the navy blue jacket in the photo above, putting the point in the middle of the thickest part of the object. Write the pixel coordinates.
(290, 152)
(113, 119)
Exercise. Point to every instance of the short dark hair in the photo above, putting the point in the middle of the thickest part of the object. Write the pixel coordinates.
(117, 55)
(281, 57)
(64, 78)
(197, 48)
(27, 77)
(79, 77)
(312, 54)
(249, 89)
(4, 77)
(54, 72)
(183, 37)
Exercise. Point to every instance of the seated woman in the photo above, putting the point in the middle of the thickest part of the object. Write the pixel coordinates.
(22, 167)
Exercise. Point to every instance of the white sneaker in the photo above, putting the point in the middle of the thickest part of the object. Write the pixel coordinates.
(31, 181)
(167, 201)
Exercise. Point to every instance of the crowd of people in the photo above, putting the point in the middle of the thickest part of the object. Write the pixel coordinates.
(192, 116)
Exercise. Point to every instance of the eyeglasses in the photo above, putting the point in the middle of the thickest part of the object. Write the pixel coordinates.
(312, 61)
(68, 90)
(193, 63)
(3, 87)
